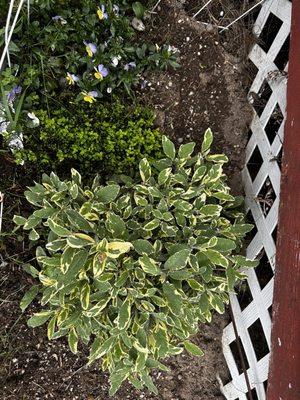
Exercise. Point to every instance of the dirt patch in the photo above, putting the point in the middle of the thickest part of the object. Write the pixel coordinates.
(209, 90)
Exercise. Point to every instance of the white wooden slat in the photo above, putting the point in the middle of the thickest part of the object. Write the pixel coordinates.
(265, 223)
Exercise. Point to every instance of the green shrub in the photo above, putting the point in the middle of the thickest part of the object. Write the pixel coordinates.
(105, 137)
(134, 266)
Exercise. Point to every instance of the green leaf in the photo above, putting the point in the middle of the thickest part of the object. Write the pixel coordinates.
(147, 380)
(124, 315)
(79, 240)
(207, 141)
(223, 196)
(39, 318)
(164, 175)
(18, 220)
(116, 378)
(138, 9)
(199, 173)
(33, 198)
(58, 229)
(168, 147)
(56, 245)
(99, 348)
(149, 265)
(178, 260)
(196, 285)
(216, 258)
(31, 223)
(76, 177)
(51, 327)
(149, 226)
(77, 264)
(217, 303)
(217, 158)
(74, 191)
(173, 298)
(29, 297)
(193, 349)
(142, 246)
(115, 249)
(211, 210)
(31, 270)
(241, 229)
(78, 220)
(231, 275)
(33, 236)
(108, 193)
(67, 258)
(185, 150)
(73, 340)
(182, 205)
(116, 225)
(224, 245)
(145, 170)
(85, 296)
(242, 261)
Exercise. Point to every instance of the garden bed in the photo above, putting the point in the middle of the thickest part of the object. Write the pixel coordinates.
(209, 90)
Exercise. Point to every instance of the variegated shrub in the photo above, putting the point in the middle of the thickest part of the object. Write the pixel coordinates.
(133, 266)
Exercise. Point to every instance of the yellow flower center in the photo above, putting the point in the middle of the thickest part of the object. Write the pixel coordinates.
(98, 75)
(89, 51)
(100, 14)
(89, 98)
(70, 80)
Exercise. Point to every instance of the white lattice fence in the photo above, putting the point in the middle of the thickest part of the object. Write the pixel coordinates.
(261, 176)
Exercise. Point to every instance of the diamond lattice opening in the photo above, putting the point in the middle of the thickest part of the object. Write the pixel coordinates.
(260, 99)
(282, 57)
(270, 311)
(270, 31)
(274, 234)
(244, 295)
(264, 271)
(255, 162)
(236, 354)
(266, 196)
(274, 123)
(258, 339)
(250, 220)
(253, 395)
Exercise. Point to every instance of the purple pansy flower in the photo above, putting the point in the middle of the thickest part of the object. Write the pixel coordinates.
(13, 93)
(130, 65)
(101, 72)
(91, 48)
(59, 18)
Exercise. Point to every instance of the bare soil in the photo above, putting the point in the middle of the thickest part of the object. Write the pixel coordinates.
(209, 90)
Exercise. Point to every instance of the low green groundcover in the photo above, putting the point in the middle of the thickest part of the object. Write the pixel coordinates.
(104, 137)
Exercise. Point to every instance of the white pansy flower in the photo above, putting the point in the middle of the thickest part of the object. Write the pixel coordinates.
(34, 118)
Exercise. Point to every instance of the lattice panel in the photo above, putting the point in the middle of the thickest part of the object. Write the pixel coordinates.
(261, 176)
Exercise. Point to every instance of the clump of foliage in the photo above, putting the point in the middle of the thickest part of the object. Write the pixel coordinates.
(135, 265)
(106, 137)
(85, 44)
